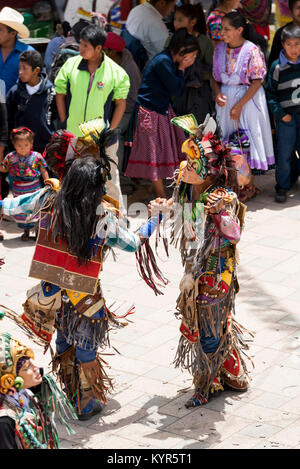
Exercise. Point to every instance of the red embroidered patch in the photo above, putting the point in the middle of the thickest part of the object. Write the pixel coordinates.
(189, 335)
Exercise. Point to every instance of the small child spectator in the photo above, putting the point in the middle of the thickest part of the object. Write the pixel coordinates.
(31, 102)
(25, 167)
(283, 96)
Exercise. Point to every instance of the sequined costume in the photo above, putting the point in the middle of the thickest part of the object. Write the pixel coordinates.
(211, 340)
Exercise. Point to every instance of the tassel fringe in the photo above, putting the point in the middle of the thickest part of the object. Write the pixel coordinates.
(148, 268)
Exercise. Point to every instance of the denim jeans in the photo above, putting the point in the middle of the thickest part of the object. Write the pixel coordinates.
(288, 140)
(82, 355)
(209, 344)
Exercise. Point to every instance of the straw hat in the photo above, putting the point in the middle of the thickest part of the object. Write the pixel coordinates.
(14, 20)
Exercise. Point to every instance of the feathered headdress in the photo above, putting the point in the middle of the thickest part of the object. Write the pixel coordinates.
(61, 143)
(64, 147)
(11, 352)
(97, 136)
(204, 149)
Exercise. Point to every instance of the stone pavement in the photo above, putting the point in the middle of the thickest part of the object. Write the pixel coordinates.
(146, 409)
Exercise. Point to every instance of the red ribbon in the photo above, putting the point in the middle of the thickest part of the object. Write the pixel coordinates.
(21, 129)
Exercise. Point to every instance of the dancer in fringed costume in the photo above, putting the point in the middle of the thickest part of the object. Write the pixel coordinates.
(28, 400)
(77, 225)
(208, 219)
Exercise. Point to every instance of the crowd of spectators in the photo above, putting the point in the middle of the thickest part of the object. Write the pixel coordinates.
(170, 59)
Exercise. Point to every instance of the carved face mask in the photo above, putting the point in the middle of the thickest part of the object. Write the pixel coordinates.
(197, 147)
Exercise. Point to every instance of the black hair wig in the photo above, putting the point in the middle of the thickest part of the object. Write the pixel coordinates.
(75, 206)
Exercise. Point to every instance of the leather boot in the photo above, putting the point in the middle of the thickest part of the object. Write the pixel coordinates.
(64, 367)
(93, 386)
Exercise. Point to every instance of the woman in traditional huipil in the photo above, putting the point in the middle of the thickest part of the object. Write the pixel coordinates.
(238, 72)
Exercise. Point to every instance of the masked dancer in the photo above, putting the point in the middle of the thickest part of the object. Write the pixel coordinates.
(207, 224)
(77, 225)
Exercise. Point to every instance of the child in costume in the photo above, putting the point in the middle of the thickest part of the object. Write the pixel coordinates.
(25, 167)
(207, 225)
(28, 400)
(77, 226)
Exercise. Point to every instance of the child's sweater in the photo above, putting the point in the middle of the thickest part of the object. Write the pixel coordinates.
(283, 87)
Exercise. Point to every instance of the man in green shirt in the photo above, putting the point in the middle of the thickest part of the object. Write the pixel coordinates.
(89, 86)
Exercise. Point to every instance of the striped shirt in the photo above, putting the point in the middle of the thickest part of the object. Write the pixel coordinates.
(283, 87)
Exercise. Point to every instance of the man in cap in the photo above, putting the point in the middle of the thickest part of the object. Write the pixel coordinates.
(11, 29)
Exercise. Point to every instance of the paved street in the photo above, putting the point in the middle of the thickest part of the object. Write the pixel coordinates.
(146, 409)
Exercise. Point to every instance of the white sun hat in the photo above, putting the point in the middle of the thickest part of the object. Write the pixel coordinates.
(14, 20)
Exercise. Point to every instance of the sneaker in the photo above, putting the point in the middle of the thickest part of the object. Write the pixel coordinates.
(280, 196)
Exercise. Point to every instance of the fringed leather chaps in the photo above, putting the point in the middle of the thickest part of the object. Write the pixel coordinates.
(94, 382)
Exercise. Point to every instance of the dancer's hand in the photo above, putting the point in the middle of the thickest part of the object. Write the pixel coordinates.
(214, 204)
(160, 205)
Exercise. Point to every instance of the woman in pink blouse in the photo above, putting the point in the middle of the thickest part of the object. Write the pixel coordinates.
(238, 72)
